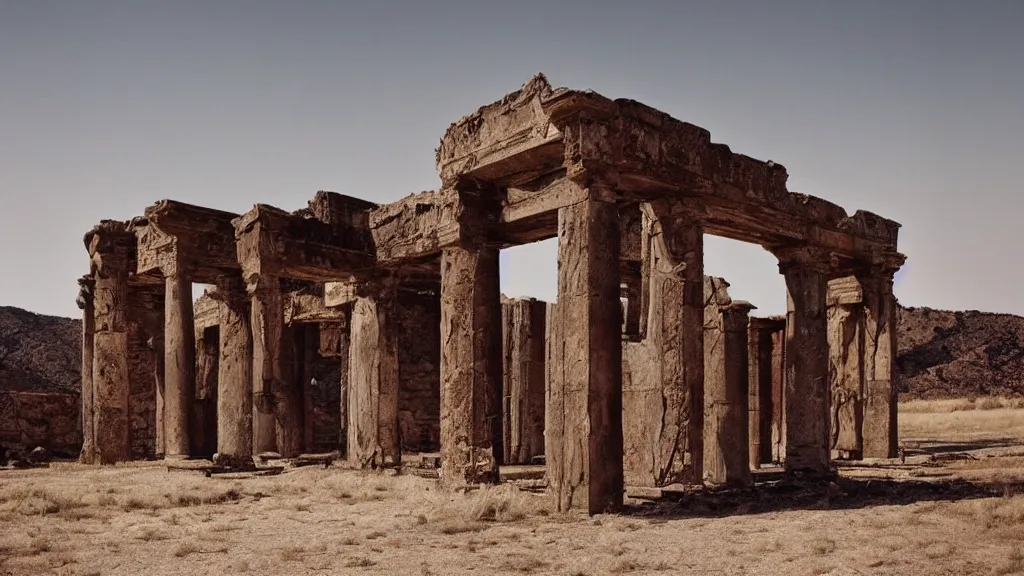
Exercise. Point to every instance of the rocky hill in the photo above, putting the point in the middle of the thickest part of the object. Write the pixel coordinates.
(941, 353)
(960, 354)
(39, 353)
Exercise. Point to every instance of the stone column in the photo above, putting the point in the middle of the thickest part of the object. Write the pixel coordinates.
(759, 353)
(846, 373)
(726, 434)
(584, 432)
(779, 391)
(880, 432)
(159, 354)
(471, 439)
(309, 336)
(85, 302)
(146, 318)
(277, 400)
(179, 364)
(234, 377)
(807, 393)
(373, 378)
(523, 322)
(111, 249)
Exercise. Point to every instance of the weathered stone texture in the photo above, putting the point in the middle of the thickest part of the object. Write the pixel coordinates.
(322, 387)
(523, 361)
(584, 451)
(880, 429)
(234, 375)
(806, 357)
(179, 366)
(112, 252)
(726, 427)
(85, 302)
(203, 424)
(419, 371)
(779, 392)
(846, 365)
(761, 402)
(661, 406)
(373, 381)
(52, 420)
(471, 442)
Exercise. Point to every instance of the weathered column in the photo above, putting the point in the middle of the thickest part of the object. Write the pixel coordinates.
(471, 439)
(726, 435)
(111, 248)
(159, 355)
(85, 303)
(146, 319)
(760, 353)
(779, 391)
(584, 432)
(203, 427)
(234, 377)
(179, 364)
(373, 378)
(309, 335)
(880, 432)
(846, 373)
(807, 393)
(523, 331)
(277, 399)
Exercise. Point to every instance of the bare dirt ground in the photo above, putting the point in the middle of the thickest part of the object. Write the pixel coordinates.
(956, 506)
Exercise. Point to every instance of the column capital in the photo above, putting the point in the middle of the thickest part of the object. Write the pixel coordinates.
(881, 268)
(176, 267)
(805, 257)
(86, 285)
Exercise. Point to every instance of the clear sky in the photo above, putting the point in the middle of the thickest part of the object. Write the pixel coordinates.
(913, 109)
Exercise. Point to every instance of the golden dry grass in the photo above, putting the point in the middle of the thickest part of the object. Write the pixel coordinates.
(78, 520)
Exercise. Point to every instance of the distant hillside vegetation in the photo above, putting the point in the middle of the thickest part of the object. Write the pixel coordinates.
(39, 353)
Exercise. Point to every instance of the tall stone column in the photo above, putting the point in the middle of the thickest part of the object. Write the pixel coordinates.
(159, 354)
(523, 322)
(179, 364)
(807, 392)
(471, 432)
(85, 302)
(372, 405)
(277, 400)
(779, 391)
(760, 351)
(234, 377)
(111, 247)
(726, 435)
(880, 432)
(584, 432)
(846, 365)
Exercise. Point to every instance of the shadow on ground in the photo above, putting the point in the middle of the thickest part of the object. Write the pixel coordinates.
(837, 493)
(932, 447)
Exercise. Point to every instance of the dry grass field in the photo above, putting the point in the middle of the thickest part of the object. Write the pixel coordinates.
(956, 507)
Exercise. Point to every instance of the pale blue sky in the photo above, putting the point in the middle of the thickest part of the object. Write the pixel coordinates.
(911, 109)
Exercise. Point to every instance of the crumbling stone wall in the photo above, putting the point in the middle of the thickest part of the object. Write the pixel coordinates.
(323, 389)
(419, 356)
(142, 395)
(52, 420)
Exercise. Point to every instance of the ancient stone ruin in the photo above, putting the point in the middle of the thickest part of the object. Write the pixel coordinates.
(380, 330)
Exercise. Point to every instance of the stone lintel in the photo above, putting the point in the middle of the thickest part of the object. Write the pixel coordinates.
(518, 139)
(293, 246)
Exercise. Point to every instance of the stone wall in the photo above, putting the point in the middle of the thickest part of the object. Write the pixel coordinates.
(52, 420)
(419, 372)
(323, 382)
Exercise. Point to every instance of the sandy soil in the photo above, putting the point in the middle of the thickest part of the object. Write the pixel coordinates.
(955, 507)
